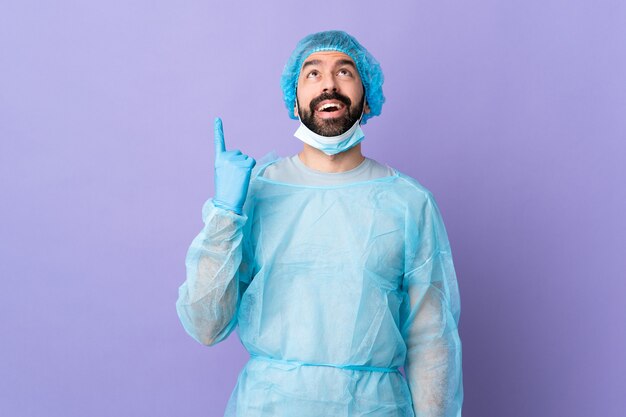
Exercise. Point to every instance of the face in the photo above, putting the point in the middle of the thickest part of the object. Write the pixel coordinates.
(330, 95)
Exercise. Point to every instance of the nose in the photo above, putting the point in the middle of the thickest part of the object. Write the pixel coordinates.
(329, 83)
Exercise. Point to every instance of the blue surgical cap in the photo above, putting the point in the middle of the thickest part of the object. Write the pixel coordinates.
(335, 40)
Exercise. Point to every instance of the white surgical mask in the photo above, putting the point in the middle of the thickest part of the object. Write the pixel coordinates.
(331, 145)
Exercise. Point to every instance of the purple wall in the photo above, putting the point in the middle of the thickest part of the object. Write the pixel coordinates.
(512, 113)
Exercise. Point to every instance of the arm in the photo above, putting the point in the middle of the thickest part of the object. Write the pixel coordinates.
(433, 362)
(209, 298)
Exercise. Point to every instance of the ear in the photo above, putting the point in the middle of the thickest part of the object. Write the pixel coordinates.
(295, 110)
(366, 108)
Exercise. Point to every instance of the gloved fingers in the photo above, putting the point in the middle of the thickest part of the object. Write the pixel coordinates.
(241, 157)
(245, 163)
(232, 155)
(219, 137)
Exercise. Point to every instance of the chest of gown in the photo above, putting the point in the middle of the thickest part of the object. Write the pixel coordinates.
(327, 275)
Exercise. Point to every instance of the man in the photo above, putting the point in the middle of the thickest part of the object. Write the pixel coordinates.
(336, 269)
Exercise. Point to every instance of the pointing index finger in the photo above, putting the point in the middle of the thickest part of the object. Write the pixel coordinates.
(219, 137)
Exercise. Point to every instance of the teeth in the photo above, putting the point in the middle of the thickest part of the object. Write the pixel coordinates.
(327, 105)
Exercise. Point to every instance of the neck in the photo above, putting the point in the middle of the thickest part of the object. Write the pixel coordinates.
(343, 161)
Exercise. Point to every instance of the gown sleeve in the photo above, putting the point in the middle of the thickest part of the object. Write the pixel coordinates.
(209, 298)
(430, 328)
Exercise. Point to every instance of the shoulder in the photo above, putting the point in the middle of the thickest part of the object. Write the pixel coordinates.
(268, 163)
(411, 187)
(403, 178)
(421, 209)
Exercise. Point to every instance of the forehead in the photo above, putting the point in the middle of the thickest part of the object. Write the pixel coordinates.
(327, 57)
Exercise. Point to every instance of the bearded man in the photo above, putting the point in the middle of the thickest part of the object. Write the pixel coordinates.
(336, 269)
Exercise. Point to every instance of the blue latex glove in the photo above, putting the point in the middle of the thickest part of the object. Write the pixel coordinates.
(232, 173)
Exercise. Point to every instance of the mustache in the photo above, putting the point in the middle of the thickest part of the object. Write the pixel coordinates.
(330, 96)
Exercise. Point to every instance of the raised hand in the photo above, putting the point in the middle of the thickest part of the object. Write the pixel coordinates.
(232, 173)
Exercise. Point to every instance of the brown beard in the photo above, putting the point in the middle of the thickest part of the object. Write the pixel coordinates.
(335, 126)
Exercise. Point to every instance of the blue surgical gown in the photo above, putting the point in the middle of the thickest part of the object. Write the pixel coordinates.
(332, 290)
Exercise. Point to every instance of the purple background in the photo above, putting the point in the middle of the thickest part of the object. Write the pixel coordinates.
(512, 113)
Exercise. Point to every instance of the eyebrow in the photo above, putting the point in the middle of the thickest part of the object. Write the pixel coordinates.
(345, 62)
(338, 63)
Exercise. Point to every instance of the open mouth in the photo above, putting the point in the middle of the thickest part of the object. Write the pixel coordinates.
(330, 108)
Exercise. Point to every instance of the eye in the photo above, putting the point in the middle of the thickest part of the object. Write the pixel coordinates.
(313, 73)
(344, 72)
